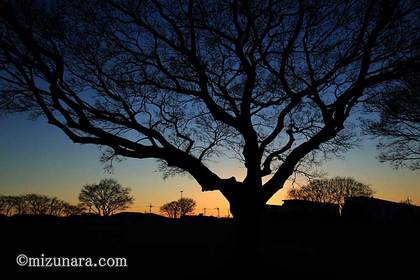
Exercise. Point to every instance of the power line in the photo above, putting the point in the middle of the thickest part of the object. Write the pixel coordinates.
(205, 212)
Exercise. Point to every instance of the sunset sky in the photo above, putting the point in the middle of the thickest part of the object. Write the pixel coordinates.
(38, 158)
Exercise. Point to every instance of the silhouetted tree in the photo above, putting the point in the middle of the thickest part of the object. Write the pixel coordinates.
(106, 197)
(270, 82)
(3, 205)
(333, 190)
(7, 204)
(55, 206)
(71, 210)
(179, 208)
(37, 204)
(407, 201)
(11, 205)
(186, 206)
(171, 209)
(20, 204)
(398, 125)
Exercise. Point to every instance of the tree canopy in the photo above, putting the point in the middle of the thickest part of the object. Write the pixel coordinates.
(271, 83)
(333, 190)
(186, 206)
(106, 197)
(171, 209)
(179, 208)
(398, 125)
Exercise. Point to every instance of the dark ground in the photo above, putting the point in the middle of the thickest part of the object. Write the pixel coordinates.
(203, 248)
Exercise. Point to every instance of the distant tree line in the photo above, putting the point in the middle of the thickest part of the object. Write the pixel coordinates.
(37, 204)
(333, 190)
(104, 199)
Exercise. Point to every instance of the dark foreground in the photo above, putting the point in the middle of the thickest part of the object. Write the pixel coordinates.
(203, 248)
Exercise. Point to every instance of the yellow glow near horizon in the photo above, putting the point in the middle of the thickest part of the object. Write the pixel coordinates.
(36, 158)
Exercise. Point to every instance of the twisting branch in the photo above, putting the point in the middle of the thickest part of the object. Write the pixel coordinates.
(271, 82)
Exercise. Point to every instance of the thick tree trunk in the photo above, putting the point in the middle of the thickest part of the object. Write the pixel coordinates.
(247, 210)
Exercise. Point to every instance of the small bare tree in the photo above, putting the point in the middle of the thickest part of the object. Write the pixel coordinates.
(186, 206)
(37, 204)
(179, 208)
(106, 198)
(171, 209)
(20, 205)
(7, 204)
(55, 206)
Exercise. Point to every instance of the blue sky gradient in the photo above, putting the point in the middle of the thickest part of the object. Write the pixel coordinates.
(38, 158)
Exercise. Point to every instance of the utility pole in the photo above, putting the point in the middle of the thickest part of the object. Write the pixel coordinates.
(150, 208)
(218, 212)
(204, 211)
(180, 205)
